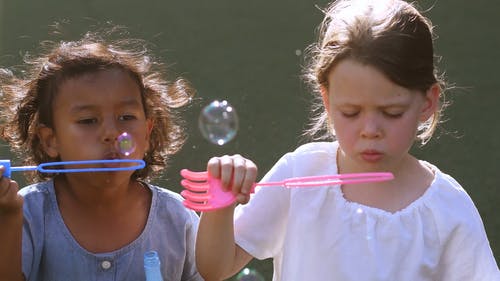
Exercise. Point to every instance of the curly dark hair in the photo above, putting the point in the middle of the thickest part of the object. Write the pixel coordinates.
(26, 97)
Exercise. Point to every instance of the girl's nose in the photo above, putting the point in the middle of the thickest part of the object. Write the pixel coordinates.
(110, 132)
(109, 138)
(371, 128)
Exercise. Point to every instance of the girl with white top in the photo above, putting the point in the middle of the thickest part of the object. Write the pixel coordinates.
(373, 68)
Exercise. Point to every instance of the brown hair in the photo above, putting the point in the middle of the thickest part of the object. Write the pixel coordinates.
(390, 35)
(26, 99)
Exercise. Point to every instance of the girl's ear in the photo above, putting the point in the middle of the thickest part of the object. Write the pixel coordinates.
(149, 129)
(431, 102)
(325, 97)
(149, 126)
(48, 140)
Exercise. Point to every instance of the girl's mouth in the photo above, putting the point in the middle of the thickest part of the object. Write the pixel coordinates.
(112, 156)
(112, 164)
(371, 156)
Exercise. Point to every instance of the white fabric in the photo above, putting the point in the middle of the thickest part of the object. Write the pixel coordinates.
(316, 234)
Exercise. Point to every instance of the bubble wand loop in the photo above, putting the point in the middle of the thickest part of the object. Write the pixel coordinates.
(43, 168)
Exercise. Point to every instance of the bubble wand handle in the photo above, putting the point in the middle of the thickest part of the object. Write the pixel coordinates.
(204, 193)
(45, 167)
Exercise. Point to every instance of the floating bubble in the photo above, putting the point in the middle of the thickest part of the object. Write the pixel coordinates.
(218, 122)
(125, 144)
(248, 274)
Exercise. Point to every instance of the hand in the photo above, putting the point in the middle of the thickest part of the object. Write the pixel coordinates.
(236, 173)
(10, 201)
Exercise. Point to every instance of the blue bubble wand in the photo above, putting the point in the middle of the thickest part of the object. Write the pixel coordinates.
(125, 144)
(42, 168)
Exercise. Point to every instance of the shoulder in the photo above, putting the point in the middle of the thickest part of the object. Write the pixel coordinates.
(168, 205)
(313, 152)
(457, 211)
(461, 230)
(315, 158)
(39, 208)
(450, 190)
(166, 195)
(37, 189)
(310, 159)
(317, 147)
(38, 196)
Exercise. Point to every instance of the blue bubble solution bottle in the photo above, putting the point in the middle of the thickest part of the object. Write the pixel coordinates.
(152, 266)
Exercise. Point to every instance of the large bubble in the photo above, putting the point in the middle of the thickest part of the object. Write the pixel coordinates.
(218, 122)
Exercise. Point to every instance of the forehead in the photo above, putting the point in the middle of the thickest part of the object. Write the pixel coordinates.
(354, 81)
(108, 86)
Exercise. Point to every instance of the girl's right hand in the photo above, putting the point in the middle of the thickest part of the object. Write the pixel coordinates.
(236, 173)
(10, 201)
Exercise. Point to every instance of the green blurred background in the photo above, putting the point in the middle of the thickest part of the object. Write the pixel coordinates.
(251, 53)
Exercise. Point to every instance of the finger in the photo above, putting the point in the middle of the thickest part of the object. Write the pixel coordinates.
(13, 188)
(250, 177)
(226, 171)
(242, 198)
(4, 186)
(239, 173)
(9, 196)
(213, 167)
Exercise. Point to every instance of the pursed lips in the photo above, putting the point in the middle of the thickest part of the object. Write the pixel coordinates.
(112, 156)
(371, 155)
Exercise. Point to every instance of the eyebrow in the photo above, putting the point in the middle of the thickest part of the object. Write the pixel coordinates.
(88, 107)
(393, 104)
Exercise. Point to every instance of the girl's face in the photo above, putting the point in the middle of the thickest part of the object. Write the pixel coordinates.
(375, 120)
(91, 111)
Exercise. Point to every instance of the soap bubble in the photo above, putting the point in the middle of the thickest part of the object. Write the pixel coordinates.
(125, 144)
(248, 274)
(218, 122)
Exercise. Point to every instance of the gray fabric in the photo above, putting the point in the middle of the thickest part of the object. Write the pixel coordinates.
(50, 253)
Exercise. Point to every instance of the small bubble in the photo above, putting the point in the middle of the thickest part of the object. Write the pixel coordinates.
(218, 122)
(298, 52)
(125, 144)
(248, 274)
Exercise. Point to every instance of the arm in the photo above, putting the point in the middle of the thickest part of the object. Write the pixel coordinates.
(217, 255)
(467, 254)
(11, 223)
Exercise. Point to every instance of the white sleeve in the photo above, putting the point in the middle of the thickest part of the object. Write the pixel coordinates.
(467, 254)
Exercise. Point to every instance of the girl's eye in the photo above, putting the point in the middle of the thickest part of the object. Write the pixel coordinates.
(87, 121)
(393, 114)
(350, 114)
(127, 117)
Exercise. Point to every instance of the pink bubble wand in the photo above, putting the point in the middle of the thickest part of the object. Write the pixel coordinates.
(203, 193)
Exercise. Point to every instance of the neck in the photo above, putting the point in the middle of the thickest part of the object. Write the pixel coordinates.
(411, 180)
